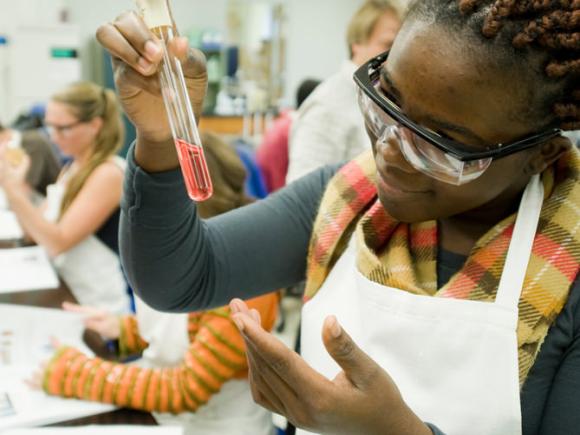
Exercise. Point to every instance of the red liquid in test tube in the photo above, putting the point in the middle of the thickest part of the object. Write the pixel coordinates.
(194, 169)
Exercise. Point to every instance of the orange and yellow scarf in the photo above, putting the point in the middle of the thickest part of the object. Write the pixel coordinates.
(404, 255)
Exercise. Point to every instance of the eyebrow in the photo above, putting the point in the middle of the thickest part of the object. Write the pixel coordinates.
(443, 125)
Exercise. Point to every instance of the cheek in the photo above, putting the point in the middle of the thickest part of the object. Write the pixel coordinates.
(502, 176)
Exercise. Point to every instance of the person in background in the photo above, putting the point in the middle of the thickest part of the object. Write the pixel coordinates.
(44, 163)
(442, 265)
(193, 364)
(272, 154)
(329, 128)
(78, 222)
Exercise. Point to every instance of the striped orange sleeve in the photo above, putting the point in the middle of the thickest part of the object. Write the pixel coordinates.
(130, 342)
(216, 355)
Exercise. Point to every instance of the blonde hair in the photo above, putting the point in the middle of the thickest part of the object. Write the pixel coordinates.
(228, 176)
(363, 22)
(88, 101)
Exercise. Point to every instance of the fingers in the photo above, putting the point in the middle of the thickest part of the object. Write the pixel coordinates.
(179, 47)
(75, 308)
(35, 380)
(128, 38)
(55, 343)
(128, 75)
(194, 64)
(262, 393)
(286, 364)
(359, 368)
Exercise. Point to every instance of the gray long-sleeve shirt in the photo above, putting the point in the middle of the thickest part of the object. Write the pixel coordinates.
(178, 262)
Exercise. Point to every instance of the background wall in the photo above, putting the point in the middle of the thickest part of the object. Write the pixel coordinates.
(315, 28)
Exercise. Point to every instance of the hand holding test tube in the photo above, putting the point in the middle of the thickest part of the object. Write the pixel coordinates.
(157, 16)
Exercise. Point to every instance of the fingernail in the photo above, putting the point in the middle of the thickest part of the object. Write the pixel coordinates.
(152, 49)
(238, 323)
(335, 328)
(144, 64)
(234, 306)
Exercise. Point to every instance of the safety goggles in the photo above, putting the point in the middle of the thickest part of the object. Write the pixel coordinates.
(427, 151)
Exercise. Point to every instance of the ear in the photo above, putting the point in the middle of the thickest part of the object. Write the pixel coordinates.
(97, 124)
(356, 53)
(548, 153)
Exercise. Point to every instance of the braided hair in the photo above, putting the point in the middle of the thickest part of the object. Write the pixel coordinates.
(543, 33)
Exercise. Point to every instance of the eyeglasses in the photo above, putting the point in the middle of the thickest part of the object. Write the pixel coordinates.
(62, 129)
(426, 150)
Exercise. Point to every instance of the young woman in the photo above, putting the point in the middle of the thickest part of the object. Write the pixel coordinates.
(78, 222)
(450, 253)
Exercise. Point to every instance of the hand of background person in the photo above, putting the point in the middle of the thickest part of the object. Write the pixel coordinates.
(14, 165)
(36, 378)
(136, 54)
(361, 399)
(101, 321)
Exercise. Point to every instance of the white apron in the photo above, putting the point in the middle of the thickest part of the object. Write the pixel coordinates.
(91, 270)
(454, 361)
(232, 411)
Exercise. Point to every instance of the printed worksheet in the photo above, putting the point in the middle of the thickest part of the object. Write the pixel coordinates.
(3, 200)
(10, 228)
(25, 269)
(25, 342)
(100, 430)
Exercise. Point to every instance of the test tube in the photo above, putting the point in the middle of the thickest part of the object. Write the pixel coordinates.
(157, 16)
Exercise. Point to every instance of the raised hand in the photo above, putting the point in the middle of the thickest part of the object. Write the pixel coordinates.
(14, 165)
(137, 53)
(362, 399)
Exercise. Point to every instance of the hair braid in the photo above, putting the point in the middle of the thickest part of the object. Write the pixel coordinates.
(467, 6)
(499, 11)
(553, 25)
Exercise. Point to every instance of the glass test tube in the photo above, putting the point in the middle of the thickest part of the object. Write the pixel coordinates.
(182, 121)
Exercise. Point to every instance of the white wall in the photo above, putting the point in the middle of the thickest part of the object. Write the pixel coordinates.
(316, 39)
(315, 28)
(89, 14)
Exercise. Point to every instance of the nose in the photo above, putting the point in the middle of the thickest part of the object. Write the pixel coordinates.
(389, 149)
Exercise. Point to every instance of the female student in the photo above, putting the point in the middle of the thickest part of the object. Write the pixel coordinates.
(78, 222)
(194, 371)
(450, 253)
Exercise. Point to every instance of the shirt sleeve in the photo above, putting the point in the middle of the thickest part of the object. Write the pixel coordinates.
(560, 414)
(216, 355)
(318, 137)
(177, 262)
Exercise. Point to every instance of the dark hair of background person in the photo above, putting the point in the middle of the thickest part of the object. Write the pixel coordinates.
(304, 90)
(540, 36)
(228, 176)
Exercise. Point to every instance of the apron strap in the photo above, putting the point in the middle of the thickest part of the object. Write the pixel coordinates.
(520, 249)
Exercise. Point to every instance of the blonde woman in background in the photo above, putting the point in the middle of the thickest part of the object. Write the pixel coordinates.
(77, 223)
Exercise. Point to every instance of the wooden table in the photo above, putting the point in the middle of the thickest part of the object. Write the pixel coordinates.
(54, 299)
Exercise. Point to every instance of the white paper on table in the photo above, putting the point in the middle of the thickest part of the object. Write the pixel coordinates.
(26, 332)
(101, 430)
(10, 228)
(3, 200)
(25, 336)
(25, 269)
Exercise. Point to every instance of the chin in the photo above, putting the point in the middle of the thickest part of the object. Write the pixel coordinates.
(406, 211)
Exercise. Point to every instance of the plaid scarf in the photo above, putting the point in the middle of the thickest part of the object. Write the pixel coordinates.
(404, 255)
